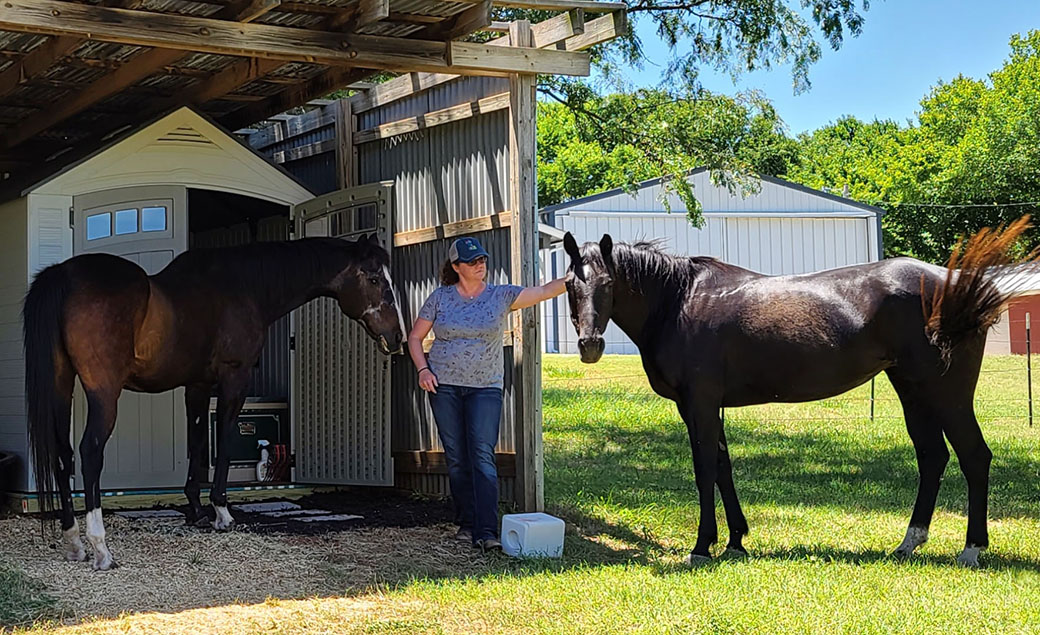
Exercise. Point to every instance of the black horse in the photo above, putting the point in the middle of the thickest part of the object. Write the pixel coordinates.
(713, 335)
(200, 323)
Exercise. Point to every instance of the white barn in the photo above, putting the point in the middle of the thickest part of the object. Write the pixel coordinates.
(784, 228)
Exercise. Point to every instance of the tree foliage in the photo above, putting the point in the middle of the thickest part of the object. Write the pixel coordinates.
(731, 36)
(621, 139)
(969, 161)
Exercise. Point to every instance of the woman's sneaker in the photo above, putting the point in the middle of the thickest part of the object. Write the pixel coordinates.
(464, 535)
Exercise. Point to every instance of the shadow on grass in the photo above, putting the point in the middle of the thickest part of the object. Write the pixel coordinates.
(822, 467)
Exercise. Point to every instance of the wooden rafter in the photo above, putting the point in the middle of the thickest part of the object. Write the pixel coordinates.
(36, 62)
(559, 32)
(145, 65)
(206, 35)
(472, 19)
(330, 80)
(359, 14)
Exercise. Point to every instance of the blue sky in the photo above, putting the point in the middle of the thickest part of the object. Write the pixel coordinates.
(906, 47)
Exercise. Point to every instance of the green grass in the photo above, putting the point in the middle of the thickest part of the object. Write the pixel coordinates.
(22, 600)
(827, 493)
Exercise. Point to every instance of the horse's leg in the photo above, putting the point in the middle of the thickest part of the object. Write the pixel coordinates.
(101, 419)
(231, 396)
(196, 401)
(974, 457)
(704, 428)
(924, 424)
(735, 520)
(65, 461)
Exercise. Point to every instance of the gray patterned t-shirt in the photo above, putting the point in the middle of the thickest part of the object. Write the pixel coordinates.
(467, 349)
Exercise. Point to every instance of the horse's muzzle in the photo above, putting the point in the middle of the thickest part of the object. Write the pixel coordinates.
(591, 349)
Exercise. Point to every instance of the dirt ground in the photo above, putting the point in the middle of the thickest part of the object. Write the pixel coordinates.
(166, 566)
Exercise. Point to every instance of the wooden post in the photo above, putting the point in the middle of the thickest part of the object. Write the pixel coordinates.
(346, 164)
(527, 354)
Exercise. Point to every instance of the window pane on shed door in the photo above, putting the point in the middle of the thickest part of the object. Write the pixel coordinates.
(126, 221)
(99, 226)
(153, 219)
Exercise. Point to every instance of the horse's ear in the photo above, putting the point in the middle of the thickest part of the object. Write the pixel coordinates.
(373, 238)
(606, 249)
(571, 247)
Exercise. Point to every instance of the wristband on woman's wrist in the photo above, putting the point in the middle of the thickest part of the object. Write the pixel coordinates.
(418, 372)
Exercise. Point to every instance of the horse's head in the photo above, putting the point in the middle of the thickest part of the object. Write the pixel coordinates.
(366, 293)
(590, 291)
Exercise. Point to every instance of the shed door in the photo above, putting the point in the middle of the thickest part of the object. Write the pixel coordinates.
(148, 226)
(342, 382)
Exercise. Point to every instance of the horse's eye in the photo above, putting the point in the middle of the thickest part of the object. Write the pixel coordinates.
(374, 280)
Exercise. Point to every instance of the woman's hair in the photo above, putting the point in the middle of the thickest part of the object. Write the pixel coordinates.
(448, 274)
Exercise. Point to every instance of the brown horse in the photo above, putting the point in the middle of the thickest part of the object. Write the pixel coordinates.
(200, 323)
(713, 335)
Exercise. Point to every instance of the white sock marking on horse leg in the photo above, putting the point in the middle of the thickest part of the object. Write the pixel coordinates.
(397, 303)
(223, 520)
(969, 557)
(915, 537)
(96, 537)
(74, 551)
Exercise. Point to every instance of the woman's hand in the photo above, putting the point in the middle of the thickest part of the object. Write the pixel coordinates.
(428, 381)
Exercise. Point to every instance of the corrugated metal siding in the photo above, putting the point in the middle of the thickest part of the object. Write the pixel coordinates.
(14, 263)
(441, 175)
(413, 425)
(271, 376)
(772, 197)
(773, 246)
(317, 169)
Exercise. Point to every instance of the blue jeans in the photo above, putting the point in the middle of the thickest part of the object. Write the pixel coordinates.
(467, 421)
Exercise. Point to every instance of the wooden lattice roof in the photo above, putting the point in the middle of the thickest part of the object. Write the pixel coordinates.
(73, 73)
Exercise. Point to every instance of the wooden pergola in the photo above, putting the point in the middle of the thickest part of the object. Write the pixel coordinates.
(74, 73)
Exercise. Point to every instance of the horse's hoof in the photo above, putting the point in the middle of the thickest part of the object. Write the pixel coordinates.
(104, 564)
(732, 553)
(902, 554)
(696, 560)
(969, 557)
(76, 554)
(202, 522)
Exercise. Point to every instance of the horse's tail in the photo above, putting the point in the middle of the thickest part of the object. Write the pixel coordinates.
(969, 302)
(45, 359)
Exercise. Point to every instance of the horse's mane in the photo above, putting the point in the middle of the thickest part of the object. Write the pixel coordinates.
(646, 259)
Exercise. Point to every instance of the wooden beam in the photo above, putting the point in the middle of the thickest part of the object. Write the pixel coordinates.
(593, 32)
(435, 118)
(323, 84)
(527, 359)
(370, 11)
(432, 462)
(36, 62)
(346, 128)
(205, 35)
(472, 19)
(130, 73)
(145, 65)
(450, 230)
(592, 6)
(247, 10)
(597, 31)
(558, 28)
(414, 18)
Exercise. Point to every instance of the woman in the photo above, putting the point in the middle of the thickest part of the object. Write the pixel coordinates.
(463, 377)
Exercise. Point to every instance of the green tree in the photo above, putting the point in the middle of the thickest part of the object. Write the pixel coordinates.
(970, 160)
(621, 139)
(731, 36)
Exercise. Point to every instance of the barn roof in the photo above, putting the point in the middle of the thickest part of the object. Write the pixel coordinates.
(579, 202)
(74, 71)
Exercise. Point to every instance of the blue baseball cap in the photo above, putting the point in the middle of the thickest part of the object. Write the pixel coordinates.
(466, 249)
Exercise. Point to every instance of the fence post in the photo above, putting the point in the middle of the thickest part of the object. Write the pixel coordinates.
(1029, 370)
(872, 399)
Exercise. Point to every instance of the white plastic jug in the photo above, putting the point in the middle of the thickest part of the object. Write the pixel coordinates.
(532, 535)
